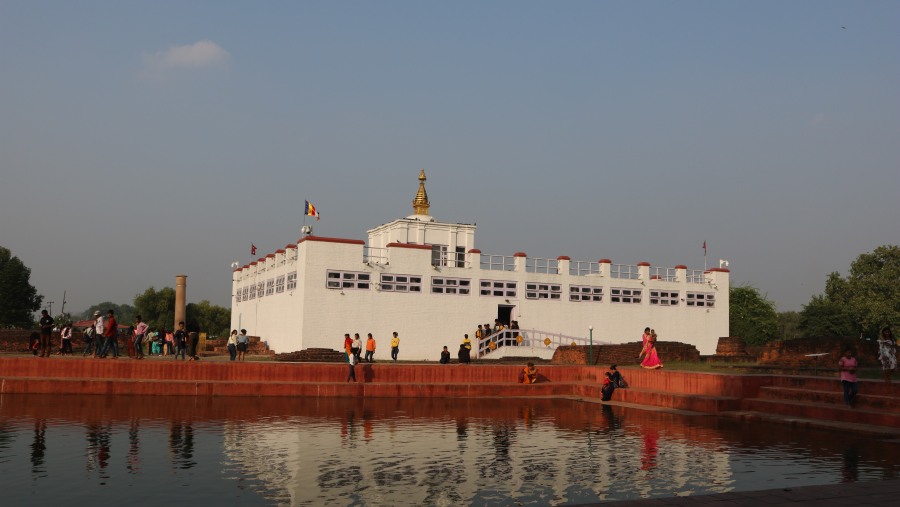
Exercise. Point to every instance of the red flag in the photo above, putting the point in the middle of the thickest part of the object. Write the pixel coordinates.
(704, 248)
(253, 249)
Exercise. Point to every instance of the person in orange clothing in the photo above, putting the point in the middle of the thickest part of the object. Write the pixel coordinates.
(348, 343)
(370, 349)
(529, 374)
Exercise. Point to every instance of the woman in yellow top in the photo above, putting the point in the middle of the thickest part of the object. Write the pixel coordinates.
(395, 346)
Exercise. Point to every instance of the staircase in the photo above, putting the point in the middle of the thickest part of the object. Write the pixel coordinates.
(812, 401)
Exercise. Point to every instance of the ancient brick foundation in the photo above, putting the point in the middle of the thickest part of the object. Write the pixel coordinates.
(793, 353)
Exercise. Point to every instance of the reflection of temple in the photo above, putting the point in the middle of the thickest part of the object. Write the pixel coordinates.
(492, 456)
(426, 280)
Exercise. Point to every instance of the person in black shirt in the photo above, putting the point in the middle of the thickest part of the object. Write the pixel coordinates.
(193, 329)
(445, 356)
(46, 329)
(179, 337)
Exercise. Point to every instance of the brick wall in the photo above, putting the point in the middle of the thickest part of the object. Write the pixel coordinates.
(793, 352)
(16, 341)
(624, 354)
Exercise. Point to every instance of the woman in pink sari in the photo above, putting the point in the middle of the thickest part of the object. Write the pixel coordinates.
(651, 359)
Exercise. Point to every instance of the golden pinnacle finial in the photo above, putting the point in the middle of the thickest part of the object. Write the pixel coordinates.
(420, 203)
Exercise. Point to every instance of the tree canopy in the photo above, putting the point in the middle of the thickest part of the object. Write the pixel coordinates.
(124, 313)
(214, 320)
(18, 298)
(157, 308)
(751, 315)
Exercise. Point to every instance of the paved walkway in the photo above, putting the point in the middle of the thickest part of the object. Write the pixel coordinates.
(856, 494)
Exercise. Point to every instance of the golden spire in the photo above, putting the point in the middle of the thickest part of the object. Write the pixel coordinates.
(420, 203)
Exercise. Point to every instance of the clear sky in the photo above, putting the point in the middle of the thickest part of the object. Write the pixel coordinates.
(140, 140)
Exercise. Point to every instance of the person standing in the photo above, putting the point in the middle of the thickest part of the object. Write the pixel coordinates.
(356, 347)
(243, 341)
(370, 349)
(65, 339)
(110, 335)
(179, 339)
(395, 346)
(648, 352)
(99, 334)
(847, 366)
(140, 330)
(88, 337)
(193, 329)
(887, 353)
(351, 362)
(46, 323)
(348, 344)
(232, 344)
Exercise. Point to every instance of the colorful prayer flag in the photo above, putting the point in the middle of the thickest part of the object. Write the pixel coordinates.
(311, 211)
(252, 250)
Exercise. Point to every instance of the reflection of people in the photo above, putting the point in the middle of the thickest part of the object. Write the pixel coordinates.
(529, 374)
(847, 366)
(445, 356)
(887, 353)
(648, 352)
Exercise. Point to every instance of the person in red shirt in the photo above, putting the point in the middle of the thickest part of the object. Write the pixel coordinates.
(110, 333)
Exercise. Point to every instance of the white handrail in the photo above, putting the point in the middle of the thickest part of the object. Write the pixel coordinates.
(530, 338)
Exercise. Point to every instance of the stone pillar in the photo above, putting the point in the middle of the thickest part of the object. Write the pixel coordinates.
(180, 299)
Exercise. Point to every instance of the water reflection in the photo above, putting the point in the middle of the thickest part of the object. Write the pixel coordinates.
(405, 452)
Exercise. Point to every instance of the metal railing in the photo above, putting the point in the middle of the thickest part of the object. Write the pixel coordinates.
(696, 276)
(498, 262)
(665, 274)
(529, 338)
(538, 265)
(375, 255)
(626, 271)
(583, 268)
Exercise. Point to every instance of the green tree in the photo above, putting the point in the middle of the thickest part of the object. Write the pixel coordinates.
(828, 314)
(874, 289)
(157, 308)
(18, 298)
(124, 313)
(789, 325)
(751, 315)
(214, 320)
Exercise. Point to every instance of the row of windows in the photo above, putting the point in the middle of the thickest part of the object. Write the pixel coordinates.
(462, 287)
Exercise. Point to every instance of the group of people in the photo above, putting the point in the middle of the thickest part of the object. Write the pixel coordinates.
(354, 348)
(847, 365)
(464, 355)
(238, 344)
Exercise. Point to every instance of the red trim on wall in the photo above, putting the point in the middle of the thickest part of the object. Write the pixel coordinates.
(563, 258)
(331, 240)
(408, 245)
(475, 250)
(234, 271)
(520, 254)
(253, 263)
(604, 261)
(681, 266)
(291, 246)
(643, 263)
(718, 270)
(261, 259)
(279, 251)
(246, 266)
(270, 256)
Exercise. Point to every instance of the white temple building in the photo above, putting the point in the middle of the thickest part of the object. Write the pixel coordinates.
(427, 281)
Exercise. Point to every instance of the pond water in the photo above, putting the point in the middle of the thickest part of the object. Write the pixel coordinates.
(96, 450)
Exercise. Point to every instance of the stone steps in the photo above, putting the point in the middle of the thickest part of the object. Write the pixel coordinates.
(822, 411)
(863, 400)
(677, 401)
(887, 432)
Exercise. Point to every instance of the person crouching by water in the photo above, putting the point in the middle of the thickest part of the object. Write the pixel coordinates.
(529, 374)
(609, 387)
(847, 365)
(351, 362)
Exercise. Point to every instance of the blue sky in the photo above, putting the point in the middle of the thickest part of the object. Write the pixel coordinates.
(140, 140)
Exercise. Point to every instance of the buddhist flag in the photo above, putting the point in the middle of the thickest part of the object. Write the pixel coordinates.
(311, 211)
(252, 250)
